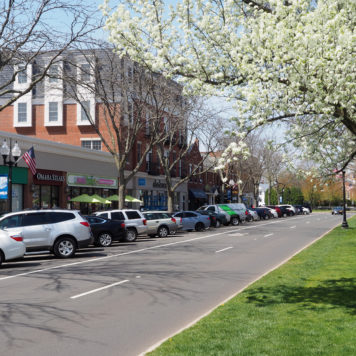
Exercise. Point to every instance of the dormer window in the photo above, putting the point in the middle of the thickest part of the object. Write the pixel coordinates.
(22, 75)
(53, 73)
(85, 72)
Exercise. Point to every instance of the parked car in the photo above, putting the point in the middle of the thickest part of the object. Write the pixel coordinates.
(308, 206)
(337, 210)
(285, 210)
(264, 213)
(277, 209)
(253, 215)
(160, 223)
(240, 210)
(216, 219)
(105, 231)
(301, 210)
(231, 216)
(291, 208)
(11, 246)
(273, 211)
(193, 220)
(59, 231)
(135, 222)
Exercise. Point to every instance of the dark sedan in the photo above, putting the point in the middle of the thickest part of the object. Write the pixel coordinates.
(105, 231)
(216, 219)
(338, 210)
(264, 213)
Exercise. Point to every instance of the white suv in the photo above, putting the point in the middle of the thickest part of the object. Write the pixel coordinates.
(61, 232)
(135, 222)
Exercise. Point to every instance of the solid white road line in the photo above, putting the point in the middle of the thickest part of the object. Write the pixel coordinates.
(140, 250)
(99, 289)
(268, 235)
(224, 249)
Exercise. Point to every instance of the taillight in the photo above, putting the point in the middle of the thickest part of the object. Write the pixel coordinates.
(174, 220)
(144, 222)
(246, 212)
(123, 225)
(85, 223)
(17, 238)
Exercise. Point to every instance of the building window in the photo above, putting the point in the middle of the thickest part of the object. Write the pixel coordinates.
(130, 114)
(53, 111)
(22, 112)
(85, 72)
(148, 124)
(92, 144)
(139, 151)
(53, 73)
(85, 107)
(22, 75)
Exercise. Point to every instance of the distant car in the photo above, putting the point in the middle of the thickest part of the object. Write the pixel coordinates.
(160, 223)
(216, 219)
(106, 231)
(193, 220)
(277, 209)
(264, 213)
(337, 210)
(285, 210)
(135, 222)
(291, 208)
(253, 216)
(11, 246)
(274, 212)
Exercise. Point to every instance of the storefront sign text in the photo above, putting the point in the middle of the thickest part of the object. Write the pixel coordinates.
(85, 180)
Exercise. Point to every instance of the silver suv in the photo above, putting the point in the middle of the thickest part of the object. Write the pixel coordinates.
(61, 232)
(160, 223)
(135, 222)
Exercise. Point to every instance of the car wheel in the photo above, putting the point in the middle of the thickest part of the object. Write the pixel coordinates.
(218, 224)
(1, 258)
(266, 217)
(162, 231)
(131, 235)
(199, 226)
(235, 221)
(105, 239)
(64, 247)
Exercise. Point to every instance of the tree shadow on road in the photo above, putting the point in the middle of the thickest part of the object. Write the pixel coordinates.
(333, 292)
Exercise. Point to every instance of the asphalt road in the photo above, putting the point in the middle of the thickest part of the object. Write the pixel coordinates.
(124, 299)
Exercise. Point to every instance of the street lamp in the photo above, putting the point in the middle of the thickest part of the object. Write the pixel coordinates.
(10, 158)
(344, 224)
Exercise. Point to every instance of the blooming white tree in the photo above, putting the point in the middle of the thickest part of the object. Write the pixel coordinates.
(279, 61)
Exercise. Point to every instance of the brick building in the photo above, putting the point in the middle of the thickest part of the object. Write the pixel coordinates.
(63, 107)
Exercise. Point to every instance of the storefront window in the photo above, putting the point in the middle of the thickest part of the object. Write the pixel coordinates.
(45, 196)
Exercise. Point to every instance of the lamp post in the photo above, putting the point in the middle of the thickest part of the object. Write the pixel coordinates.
(344, 224)
(10, 157)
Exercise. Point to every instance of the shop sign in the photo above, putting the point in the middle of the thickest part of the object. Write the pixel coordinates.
(86, 180)
(158, 184)
(48, 177)
(3, 186)
(141, 182)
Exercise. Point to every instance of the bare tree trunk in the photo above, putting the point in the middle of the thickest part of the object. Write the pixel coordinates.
(122, 188)
(170, 200)
(269, 192)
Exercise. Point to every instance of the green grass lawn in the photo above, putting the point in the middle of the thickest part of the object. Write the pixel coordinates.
(305, 307)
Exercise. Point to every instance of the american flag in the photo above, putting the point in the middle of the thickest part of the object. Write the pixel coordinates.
(30, 159)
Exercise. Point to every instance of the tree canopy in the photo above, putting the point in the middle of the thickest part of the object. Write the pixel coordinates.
(290, 62)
